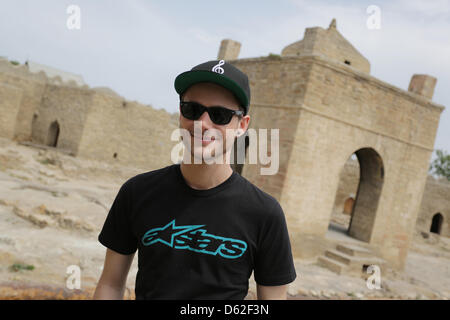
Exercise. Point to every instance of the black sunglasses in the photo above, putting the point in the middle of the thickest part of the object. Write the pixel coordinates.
(219, 115)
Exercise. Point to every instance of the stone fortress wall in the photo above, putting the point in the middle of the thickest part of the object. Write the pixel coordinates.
(94, 123)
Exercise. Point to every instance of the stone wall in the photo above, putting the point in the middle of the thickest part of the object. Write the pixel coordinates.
(68, 106)
(273, 89)
(94, 123)
(347, 187)
(32, 86)
(436, 199)
(127, 132)
(10, 101)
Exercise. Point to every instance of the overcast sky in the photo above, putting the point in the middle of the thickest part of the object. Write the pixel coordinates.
(137, 48)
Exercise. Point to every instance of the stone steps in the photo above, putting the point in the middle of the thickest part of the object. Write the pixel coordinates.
(331, 264)
(353, 250)
(349, 259)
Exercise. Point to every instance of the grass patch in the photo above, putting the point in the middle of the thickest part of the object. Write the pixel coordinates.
(47, 161)
(21, 266)
(274, 56)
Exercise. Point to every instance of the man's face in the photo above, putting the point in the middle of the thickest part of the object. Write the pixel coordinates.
(211, 140)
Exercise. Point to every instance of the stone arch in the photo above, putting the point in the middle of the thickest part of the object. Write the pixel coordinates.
(371, 180)
(53, 134)
(436, 223)
(347, 188)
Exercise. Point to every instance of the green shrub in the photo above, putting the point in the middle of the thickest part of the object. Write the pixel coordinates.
(20, 266)
(441, 165)
(274, 56)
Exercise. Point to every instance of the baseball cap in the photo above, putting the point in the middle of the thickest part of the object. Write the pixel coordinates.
(221, 73)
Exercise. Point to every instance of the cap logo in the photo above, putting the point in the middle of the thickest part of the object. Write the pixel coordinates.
(217, 68)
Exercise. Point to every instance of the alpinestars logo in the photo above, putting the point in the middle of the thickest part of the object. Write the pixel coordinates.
(194, 238)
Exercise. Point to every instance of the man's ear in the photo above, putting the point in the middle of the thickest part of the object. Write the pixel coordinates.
(241, 131)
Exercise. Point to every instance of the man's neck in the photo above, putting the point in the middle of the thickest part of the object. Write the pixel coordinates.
(205, 176)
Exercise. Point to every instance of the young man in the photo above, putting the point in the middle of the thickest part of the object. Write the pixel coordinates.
(199, 227)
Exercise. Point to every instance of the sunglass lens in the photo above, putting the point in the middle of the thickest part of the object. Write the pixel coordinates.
(191, 111)
(220, 115)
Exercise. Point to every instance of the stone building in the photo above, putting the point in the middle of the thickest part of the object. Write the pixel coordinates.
(320, 95)
(434, 214)
(327, 106)
(86, 122)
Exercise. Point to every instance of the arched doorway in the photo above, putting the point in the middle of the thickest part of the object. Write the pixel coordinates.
(371, 180)
(53, 134)
(359, 190)
(348, 206)
(436, 223)
(345, 195)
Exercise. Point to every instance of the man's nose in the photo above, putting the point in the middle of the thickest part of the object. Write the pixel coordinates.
(206, 120)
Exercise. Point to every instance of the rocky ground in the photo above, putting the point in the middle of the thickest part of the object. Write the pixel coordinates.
(52, 207)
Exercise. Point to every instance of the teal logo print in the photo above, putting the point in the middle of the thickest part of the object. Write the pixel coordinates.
(194, 238)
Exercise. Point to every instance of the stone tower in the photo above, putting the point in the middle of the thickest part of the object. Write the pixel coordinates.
(229, 50)
(328, 43)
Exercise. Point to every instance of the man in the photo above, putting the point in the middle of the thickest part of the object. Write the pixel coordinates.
(200, 228)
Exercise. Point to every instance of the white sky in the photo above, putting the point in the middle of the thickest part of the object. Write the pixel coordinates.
(137, 48)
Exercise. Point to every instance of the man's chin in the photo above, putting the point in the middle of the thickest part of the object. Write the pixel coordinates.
(203, 156)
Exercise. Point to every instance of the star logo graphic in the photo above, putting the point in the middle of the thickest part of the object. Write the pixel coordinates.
(166, 234)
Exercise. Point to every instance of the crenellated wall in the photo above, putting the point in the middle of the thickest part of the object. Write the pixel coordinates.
(94, 123)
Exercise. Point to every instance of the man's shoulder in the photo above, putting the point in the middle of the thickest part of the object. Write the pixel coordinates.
(152, 176)
(257, 197)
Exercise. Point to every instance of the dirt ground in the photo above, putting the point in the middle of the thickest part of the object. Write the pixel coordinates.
(52, 207)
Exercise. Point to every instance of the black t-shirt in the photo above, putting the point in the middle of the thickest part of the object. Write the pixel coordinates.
(198, 244)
